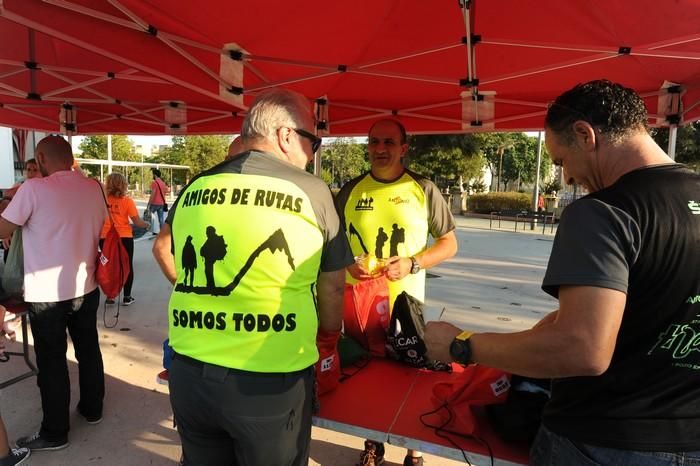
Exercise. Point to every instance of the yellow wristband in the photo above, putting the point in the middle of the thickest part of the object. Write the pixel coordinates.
(464, 335)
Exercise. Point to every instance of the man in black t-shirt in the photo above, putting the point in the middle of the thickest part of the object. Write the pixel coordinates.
(623, 347)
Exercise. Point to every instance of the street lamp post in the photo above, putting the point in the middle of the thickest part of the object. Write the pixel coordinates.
(500, 167)
(142, 190)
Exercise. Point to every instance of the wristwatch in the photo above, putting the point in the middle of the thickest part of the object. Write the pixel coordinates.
(461, 349)
(415, 266)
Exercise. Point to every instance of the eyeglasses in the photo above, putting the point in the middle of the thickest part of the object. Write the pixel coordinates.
(315, 140)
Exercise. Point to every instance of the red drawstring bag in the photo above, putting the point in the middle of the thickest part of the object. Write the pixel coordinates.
(112, 264)
(366, 314)
(328, 365)
(476, 386)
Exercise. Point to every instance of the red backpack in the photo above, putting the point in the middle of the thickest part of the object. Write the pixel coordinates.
(366, 313)
(112, 261)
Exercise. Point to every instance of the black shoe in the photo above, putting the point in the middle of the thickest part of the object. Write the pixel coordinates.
(413, 461)
(373, 455)
(15, 458)
(90, 419)
(38, 443)
(128, 301)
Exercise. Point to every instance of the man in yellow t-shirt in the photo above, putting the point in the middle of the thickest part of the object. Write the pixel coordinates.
(243, 328)
(390, 211)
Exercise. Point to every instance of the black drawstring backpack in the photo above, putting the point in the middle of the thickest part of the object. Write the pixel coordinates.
(404, 341)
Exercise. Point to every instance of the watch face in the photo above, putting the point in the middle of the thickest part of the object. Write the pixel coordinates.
(460, 351)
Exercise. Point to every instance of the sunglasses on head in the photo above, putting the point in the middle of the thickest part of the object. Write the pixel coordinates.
(315, 140)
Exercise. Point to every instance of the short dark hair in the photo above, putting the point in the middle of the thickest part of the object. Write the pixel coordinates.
(155, 172)
(398, 124)
(609, 107)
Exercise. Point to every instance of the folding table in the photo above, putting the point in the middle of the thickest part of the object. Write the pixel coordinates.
(384, 401)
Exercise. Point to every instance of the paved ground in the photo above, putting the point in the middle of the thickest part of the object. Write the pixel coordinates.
(492, 284)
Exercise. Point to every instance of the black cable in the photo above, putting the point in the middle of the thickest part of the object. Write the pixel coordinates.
(440, 430)
(104, 313)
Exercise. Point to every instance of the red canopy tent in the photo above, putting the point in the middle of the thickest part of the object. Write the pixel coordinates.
(183, 67)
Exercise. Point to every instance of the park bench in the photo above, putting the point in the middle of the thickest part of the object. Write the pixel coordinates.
(525, 217)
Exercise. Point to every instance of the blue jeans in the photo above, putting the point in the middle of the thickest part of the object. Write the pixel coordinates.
(49, 322)
(158, 210)
(550, 449)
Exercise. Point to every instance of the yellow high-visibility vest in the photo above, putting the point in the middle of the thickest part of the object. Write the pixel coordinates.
(257, 247)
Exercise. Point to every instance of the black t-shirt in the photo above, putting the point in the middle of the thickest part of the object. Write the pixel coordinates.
(640, 236)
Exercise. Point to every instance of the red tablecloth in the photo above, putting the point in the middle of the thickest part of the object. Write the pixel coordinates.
(386, 399)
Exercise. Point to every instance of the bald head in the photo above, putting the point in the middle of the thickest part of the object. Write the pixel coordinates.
(53, 153)
(397, 123)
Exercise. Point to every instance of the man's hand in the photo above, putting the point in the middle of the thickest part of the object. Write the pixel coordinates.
(358, 272)
(438, 338)
(397, 268)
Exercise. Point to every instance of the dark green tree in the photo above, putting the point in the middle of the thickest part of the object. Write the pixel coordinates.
(123, 149)
(198, 152)
(493, 147)
(513, 157)
(446, 158)
(342, 160)
(521, 164)
(95, 147)
(687, 143)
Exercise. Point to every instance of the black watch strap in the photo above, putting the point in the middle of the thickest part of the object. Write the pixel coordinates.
(460, 349)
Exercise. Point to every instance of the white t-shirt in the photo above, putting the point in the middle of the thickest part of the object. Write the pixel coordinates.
(61, 217)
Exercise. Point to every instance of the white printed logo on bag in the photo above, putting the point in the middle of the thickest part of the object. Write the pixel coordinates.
(500, 386)
(327, 363)
(382, 309)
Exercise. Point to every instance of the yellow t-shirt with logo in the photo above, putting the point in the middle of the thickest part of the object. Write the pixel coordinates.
(249, 239)
(393, 219)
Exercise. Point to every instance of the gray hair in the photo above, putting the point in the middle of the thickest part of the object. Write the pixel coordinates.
(274, 109)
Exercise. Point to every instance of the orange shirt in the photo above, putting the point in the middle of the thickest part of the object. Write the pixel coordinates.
(121, 209)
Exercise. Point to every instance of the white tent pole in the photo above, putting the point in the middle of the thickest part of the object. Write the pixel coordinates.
(536, 191)
(672, 133)
(109, 154)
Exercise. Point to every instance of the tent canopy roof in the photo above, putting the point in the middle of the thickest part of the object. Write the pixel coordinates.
(183, 67)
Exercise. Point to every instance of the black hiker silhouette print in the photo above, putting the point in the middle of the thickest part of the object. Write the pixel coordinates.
(214, 249)
(353, 231)
(379, 243)
(189, 260)
(398, 236)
